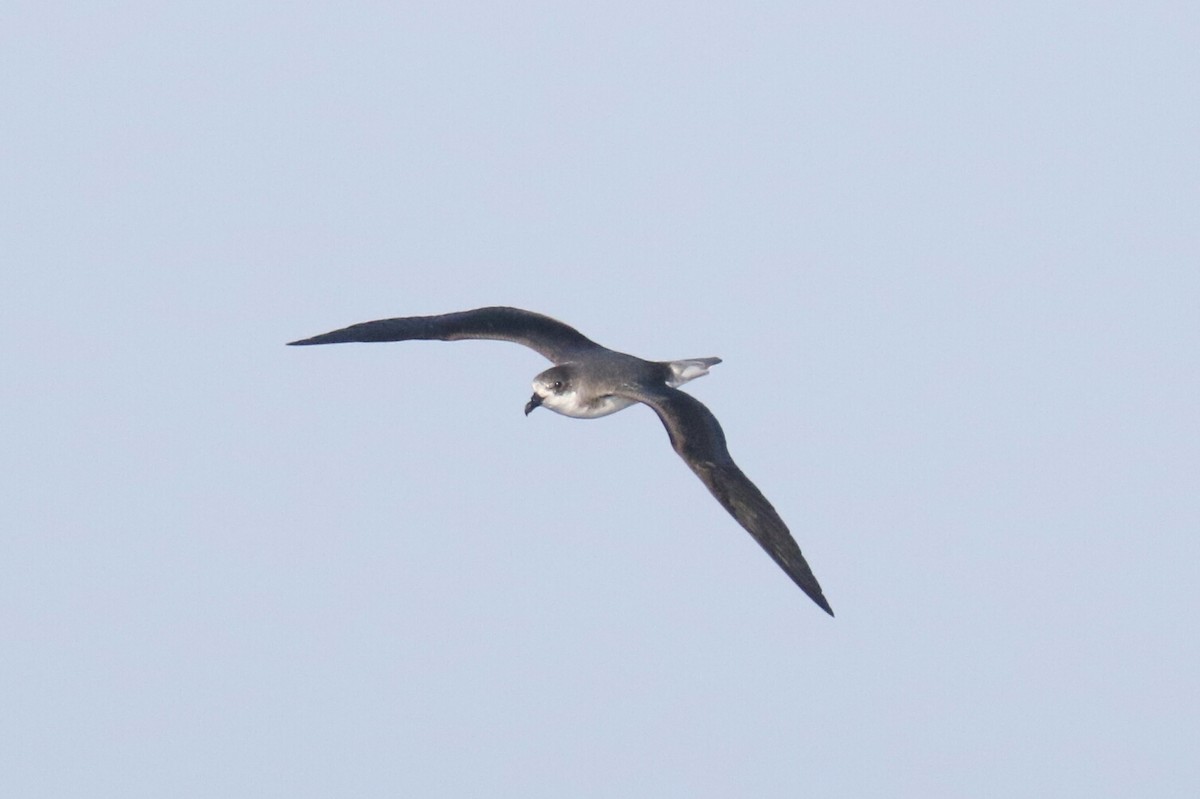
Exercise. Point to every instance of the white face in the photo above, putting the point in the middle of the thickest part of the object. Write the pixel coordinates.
(566, 403)
(556, 396)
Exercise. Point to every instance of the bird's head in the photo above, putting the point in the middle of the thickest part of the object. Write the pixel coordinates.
(552, 388)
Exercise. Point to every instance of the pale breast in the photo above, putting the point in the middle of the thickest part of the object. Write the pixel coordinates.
(568, 404)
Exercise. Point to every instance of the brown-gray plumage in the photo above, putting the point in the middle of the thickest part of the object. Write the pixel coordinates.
(548, 337)
(590, 381)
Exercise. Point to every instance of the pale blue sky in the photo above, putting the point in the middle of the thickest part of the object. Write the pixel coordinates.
(949, 252)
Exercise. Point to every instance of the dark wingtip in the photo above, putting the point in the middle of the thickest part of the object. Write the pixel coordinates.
(821, 601)
(304, 342)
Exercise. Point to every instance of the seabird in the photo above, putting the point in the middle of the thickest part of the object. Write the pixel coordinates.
(588, 381)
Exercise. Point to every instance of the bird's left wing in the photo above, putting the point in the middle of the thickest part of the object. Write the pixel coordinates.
(697, 437)
(554, 340)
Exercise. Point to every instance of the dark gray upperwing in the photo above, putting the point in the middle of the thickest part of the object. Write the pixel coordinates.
(549, 337)
(699, 440)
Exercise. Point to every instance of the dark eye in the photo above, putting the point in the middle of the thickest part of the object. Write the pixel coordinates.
(556, 385)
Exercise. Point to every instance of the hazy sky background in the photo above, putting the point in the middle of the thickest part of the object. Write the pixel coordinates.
(949, 252)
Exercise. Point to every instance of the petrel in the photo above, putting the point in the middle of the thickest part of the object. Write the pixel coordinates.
(588, 381)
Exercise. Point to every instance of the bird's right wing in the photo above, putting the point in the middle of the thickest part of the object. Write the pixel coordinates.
(697, 437)
(549, 337)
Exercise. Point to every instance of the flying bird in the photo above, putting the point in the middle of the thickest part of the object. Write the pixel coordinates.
(588, 381)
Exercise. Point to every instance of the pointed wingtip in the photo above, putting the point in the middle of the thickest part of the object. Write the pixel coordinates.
(822, 603)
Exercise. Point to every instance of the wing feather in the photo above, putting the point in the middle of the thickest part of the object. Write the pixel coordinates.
(550, 338)
(698, 438)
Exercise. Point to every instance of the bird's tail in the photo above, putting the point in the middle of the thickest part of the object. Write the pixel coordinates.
(689, 369)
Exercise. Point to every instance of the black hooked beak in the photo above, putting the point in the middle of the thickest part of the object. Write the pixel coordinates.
(534, 401)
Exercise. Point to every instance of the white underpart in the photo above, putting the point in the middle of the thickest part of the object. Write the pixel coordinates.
(690, 369)
(568, 404)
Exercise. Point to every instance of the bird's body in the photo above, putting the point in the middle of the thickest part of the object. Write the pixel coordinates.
(589, 381)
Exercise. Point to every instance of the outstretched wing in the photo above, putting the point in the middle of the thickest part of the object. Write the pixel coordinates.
(699, 440)
(549, 337)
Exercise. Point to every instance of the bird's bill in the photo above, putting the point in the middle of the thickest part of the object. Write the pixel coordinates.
(534, 402)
